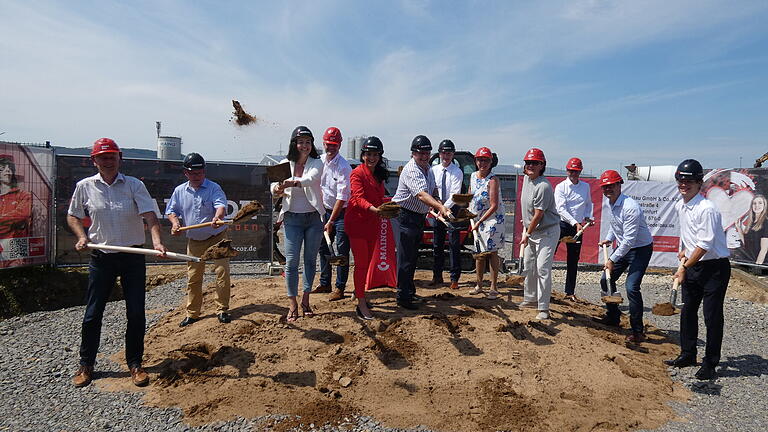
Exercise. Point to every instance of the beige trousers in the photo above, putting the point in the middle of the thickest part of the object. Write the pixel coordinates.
(195, 271)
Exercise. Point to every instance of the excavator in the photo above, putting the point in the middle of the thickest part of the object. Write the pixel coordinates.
(760, 160)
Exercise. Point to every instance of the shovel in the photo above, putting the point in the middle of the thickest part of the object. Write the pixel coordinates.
(667, 309)
(222, 249)
(245, 213)
(337, 260)
(517, 277)
(479, 253)
(142, 251)
(442, 219)
(575, 238)
(613, 297)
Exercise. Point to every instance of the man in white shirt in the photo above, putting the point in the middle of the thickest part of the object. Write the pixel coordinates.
(115, 204)
(335, 185)
(448, 177)
(573, 201)
(705, 272)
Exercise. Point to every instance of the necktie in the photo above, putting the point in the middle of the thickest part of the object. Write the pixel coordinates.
(443, 188)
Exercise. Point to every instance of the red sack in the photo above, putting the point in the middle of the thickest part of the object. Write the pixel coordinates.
(382, 270)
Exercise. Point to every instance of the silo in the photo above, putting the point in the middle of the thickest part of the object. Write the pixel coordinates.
(169, 148)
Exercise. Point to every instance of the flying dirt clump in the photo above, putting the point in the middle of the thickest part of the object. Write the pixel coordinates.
(241, 117)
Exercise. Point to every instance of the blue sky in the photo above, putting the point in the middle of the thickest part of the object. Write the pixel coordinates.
(646, 82)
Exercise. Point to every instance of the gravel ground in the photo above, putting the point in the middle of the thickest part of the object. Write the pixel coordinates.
(38, 356)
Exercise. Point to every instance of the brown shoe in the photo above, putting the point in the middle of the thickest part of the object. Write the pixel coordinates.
(635, 338)
(454, 285)
(321, 289)
(139, 377)
(83, 377)
(337, 294)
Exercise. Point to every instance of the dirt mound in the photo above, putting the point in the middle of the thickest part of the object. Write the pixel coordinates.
(459, 364)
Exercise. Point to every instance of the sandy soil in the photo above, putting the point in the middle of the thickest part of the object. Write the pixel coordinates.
(460, 363)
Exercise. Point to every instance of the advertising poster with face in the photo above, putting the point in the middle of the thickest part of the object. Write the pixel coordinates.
(25, 200)
(740, 195)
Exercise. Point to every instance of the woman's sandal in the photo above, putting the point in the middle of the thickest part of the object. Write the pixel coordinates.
(293, 315)
(307, 311)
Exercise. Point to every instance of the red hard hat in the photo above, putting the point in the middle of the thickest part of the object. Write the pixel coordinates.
(332, 135)
(610, 177)
(574, 164)
(104, 145)
(484, 152)
(535, 154)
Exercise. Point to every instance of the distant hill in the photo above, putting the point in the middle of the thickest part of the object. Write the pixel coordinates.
(127, 152)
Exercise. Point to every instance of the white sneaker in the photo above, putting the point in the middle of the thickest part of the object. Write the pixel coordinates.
(492, 295)
(476, 290)
(528, 304)
(542, 315)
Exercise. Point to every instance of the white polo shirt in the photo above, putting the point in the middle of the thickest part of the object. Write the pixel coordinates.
(701, 226)
(573, 201)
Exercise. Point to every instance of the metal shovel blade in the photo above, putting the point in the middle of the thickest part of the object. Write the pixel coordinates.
(337, 260)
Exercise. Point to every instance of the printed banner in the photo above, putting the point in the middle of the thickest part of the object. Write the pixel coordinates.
(657, 199)
(26, 192)
(740, 195)
(241, 183)
(382, 270)
(591, 236)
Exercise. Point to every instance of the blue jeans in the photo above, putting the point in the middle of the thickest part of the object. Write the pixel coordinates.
(636, 261)
(301, 228)
(103, 271)
(454, 245)
(342, 248)
(411, 230)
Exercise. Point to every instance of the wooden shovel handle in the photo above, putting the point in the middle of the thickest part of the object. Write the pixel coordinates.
(581, 231)
(605, 260)
(205, 224)
(676, 282)
(142, 251)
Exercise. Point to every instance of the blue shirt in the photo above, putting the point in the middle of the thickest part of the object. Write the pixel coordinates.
(628, 227)
(197, 206)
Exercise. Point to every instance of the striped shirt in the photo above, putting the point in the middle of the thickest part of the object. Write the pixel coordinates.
(197, 206)
(115, 210)
(412, 181)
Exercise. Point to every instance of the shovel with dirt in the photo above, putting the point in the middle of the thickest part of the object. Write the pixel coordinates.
(245, 213)
(517, 278)
(337, 260)
(576, 238)
(479, 252)
(613, 297)
(222, 249)
(671, 307)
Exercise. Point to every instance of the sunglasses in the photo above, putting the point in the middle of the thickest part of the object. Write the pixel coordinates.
(532, 163)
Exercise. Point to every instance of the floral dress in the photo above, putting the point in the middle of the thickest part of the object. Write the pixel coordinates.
(491, 231)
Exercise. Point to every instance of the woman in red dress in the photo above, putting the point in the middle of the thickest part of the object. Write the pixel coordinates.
(367, 194)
